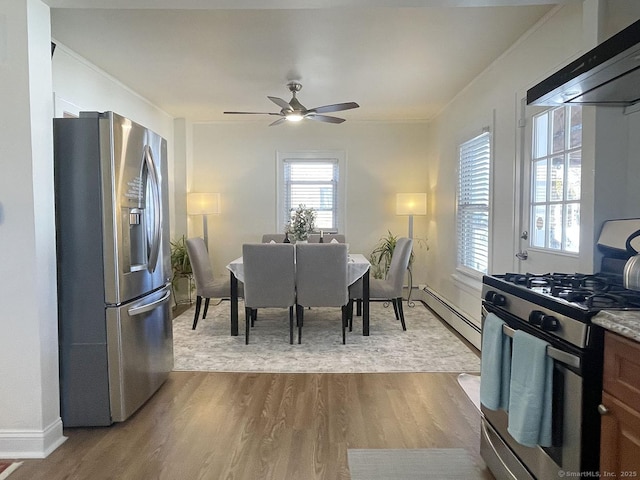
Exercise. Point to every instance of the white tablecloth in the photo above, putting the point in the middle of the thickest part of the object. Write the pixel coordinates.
(358, 265)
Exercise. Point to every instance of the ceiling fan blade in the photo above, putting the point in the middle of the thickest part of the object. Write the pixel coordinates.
(251, 113)
(278, 122)
(335, 108)
(280, 102)
(324, 118)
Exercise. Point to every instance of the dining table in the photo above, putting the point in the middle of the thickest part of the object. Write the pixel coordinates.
(358, 266)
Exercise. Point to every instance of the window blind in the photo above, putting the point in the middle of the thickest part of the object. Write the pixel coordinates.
(473, 203)
(313, 184)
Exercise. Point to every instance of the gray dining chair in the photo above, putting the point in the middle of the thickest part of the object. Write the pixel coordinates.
(315, 238)
(390, 288)
(207, 286)
(269, 280)
(276, 237)
(321, 280)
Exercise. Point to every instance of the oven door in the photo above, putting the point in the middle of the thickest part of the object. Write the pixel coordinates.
(508, 459)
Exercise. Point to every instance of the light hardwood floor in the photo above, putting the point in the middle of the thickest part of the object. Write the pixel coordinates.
(247, 426)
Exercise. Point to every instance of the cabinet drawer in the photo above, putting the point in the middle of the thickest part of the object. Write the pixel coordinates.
(622, 369)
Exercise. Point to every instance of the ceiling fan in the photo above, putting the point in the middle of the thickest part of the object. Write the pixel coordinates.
(294, 111)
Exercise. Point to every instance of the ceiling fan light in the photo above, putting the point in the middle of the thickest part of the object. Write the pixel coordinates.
(294, 117)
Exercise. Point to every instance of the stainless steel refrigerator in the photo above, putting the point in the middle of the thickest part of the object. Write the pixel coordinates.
(114, 267)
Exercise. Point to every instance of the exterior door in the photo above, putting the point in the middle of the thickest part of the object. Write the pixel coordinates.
(550, 173)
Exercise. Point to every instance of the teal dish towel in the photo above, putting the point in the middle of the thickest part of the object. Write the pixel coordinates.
(531, 391)
(495, 370)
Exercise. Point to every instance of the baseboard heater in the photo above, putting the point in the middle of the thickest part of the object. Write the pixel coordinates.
(451, 309)
(461, 323)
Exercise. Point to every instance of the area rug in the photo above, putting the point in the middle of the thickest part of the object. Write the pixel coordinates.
(6, 468)
(471, 386)
(412, 464)
(426, 346)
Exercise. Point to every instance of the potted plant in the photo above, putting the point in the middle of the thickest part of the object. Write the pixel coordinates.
(380, 257)
(302, 222)
(180, 265)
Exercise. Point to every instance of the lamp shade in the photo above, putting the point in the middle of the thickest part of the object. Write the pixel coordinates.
(411, 203)
(203, 203)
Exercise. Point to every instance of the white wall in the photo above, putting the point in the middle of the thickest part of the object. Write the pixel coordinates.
(239, 161)
(30, 423)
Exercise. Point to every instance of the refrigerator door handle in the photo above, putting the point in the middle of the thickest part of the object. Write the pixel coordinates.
(147, 307)
(155, 188)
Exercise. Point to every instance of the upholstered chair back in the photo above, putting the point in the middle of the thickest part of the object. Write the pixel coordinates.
(269, 275)
(321, 274)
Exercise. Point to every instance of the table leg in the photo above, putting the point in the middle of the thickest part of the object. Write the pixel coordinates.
(365, 304)
(234, 304)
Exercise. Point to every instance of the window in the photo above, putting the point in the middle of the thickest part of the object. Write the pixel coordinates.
(473, 204)
(313, 179)
(556, 164)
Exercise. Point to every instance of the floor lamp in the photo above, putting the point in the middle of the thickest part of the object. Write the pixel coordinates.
(411, 204)
(203, 204)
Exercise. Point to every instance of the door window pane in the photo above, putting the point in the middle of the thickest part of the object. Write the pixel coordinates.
(558, 130)
(555, 227)
(574, 173)
(556, 170)
(539, 226)
(540, 181)
(572, 227)
(557, 179)
(575, 137)
(541, 134)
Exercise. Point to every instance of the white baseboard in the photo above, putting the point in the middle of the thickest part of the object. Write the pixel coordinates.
(31, 443)
(454, 317)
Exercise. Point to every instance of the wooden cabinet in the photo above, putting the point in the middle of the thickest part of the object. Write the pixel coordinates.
(620, 409)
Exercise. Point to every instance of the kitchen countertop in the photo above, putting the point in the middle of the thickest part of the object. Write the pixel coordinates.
(625, 323)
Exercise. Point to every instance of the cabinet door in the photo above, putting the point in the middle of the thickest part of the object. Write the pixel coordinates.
(620, 442)
(622, 369)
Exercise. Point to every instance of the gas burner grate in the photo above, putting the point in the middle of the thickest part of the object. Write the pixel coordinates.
(605, 300)
(571, 294)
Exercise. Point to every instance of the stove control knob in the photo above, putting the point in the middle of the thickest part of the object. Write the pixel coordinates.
(535, 317)
(489, 296)
(499, 300)
(544, 321)
(549, 323)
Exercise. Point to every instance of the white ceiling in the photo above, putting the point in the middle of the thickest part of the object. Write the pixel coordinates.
(399, 62)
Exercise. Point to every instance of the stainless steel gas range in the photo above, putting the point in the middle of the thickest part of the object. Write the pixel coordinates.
(558, 308)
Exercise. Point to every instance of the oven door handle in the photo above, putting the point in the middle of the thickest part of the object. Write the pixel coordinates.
(556, 354)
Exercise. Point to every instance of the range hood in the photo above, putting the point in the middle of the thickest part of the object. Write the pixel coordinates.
(607, 75)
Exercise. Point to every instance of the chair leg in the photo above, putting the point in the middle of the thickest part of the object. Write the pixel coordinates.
(350, 315)
(401, 312)
(247, 321)
(206, 308)
(291, 325)
(195, 317)
(359, 307)
(344, 323)
(299, 319)
(395, 308)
